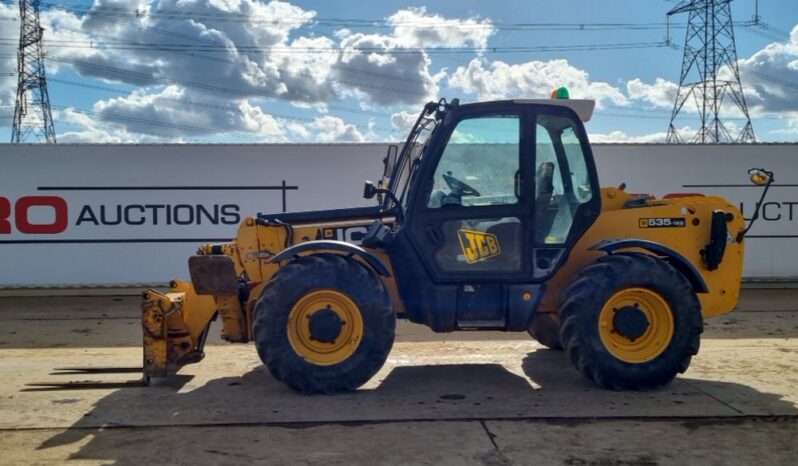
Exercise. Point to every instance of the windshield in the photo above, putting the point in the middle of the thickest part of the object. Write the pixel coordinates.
(414, 147)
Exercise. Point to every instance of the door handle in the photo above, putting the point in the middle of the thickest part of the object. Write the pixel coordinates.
(433, 235)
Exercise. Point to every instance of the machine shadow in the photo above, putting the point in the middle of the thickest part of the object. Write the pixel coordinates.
(256, 404)
(757, 325)
(545, 368)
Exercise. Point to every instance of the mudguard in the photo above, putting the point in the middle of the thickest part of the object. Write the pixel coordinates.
(332, 245)
(677, 260)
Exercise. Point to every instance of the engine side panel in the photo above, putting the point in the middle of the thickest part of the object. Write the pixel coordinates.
(258, 242)
(681, 224)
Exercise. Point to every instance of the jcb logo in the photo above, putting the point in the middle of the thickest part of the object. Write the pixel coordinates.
(478, 245)
(352, 235)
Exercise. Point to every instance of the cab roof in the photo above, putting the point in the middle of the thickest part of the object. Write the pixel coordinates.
(582, 107)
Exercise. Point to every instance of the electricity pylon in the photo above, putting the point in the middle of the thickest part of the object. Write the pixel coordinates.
(32, 114)
(709, 48)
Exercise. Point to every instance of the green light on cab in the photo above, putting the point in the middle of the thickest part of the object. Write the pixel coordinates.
(561, 93)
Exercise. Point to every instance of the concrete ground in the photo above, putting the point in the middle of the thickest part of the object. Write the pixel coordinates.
(463, 398)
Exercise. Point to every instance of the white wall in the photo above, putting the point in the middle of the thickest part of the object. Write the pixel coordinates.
(327, 176)
(93, 250)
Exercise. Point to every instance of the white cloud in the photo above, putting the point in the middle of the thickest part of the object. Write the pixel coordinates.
(8, 61)
(298, 130)
(130, 119)
(178, 51)
(660, 94)
(618, 136)
(253, 56)
(382, 76)
(179, 112)
(792, 125)
(268, 51)
(771, 76)
(403, 121)
(414, 27)
(534, 79)
(333, 129)
(92, 131)
(256, 56)
(380, 68)
(253, 119)
(163, 108)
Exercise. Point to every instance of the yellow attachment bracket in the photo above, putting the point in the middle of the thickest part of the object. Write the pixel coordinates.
(174, 326)
(233, 319)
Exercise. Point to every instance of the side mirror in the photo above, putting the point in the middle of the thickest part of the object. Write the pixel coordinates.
(389, 162)
(760, 176)
(369, 190)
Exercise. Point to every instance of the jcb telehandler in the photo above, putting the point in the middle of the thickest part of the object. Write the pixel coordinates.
(489, 218)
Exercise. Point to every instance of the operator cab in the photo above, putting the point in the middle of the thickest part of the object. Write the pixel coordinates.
(491, 200)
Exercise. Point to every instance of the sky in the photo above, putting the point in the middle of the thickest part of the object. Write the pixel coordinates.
(244, 71)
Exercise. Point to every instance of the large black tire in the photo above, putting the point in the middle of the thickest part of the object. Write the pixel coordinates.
(305, 275)
(585, 298)
(545, 329)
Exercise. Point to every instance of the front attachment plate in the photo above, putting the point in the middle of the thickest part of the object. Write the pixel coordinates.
(213, 275)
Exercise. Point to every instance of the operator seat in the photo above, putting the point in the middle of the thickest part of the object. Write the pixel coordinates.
(545, 212)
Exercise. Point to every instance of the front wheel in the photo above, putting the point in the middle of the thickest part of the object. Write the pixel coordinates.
(630, 321)
(324, 324)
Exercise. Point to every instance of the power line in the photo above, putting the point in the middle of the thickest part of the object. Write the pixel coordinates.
(144, 121)
(115, 14)
(665, 114)
(156, 30)
(161, 46)
(404, 79)
(234, 91)
(205, 104)
(198, 85)
(763, 29)
(774, 79)
(215, 46)
(350, 23)
(137, 131)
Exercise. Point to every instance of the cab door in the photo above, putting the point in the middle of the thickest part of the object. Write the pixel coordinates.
(567, 197)
(472, 217)
(498, 201)
(462, 254)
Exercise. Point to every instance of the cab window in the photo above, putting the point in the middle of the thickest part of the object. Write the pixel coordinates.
(562, 180)
(480, 164)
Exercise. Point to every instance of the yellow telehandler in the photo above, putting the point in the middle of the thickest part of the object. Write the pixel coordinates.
(489, 218)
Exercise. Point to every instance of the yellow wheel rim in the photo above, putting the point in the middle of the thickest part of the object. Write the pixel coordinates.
(657, 335)
(333, 350)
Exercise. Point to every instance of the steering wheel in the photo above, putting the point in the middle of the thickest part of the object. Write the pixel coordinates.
(459, 188)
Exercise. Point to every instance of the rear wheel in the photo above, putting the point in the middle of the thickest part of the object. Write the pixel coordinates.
(545, 329)
(324, 324)
(630, 321)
